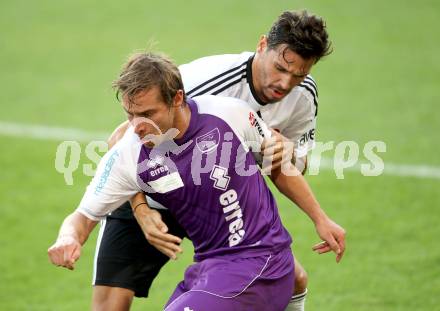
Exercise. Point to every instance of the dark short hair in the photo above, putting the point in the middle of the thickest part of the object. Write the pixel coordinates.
(145, 70)
(303, 33)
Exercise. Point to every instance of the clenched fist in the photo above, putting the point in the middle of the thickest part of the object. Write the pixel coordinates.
(65, 252)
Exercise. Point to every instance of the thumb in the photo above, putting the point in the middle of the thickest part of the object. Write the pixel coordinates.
(160, 224)
(72, 255)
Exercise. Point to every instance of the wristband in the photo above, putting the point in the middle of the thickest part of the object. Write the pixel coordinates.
(134, 208)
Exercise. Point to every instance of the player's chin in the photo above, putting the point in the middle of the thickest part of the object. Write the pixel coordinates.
(149, 144)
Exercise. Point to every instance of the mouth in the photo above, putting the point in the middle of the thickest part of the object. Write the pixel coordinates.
(149, 144)
(278, 94)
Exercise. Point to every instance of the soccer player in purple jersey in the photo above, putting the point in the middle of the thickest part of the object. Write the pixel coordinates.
(276, 82)
(208, 179)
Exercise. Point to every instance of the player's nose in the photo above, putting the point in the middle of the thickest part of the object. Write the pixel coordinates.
(285, 83)
(140, 130)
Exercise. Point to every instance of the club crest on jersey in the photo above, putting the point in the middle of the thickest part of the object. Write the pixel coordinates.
(209, 141)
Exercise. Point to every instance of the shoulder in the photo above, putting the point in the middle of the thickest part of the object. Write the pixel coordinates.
(235, 112)
(128, 146)
(219, 62)
(309, 91)
(210, 72)
(118, 133)
(221, 105)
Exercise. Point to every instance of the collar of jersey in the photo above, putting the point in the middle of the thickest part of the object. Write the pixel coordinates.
(249, 81)
(192, 123)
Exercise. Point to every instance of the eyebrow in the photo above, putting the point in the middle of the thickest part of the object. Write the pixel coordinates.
(137, 113)
(287, 70)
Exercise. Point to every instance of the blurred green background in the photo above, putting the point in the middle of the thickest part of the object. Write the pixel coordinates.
(57, 61)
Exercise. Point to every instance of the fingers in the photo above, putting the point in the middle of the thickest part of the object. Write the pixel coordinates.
(167, 248)
(332, 243)
(167, 252)
(278, 150)
(160, 225)
(167, 243)
(341, 242)
(339, 257)
(320, 246)
(60, 257)
(155, 231)
(71, 255)
(55, 256)
(154, 227)
(64, 253)
(68, 261)
(324, 247)
(165, 237)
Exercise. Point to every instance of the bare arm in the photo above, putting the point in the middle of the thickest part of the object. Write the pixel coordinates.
(301, 164)
(292, 184)
(154, 229)
(73, 234)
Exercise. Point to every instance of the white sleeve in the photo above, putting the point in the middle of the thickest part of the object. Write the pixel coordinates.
(243, 120)
(302, 127)
(114, 182)
(255, 131)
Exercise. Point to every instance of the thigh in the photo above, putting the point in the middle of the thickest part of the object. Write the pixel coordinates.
(259, 284)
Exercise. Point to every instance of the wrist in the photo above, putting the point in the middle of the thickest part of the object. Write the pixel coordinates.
(140, 208)
(68, 237)
(320, 217)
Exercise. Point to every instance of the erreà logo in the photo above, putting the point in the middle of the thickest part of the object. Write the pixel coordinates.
(252, 119)
(209, 141)
(155, 162)
(254, 122)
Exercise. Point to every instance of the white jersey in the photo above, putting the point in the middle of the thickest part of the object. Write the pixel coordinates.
(231, 75)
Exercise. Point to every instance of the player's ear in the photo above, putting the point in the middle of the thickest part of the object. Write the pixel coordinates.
(178, 99)
(262, 44)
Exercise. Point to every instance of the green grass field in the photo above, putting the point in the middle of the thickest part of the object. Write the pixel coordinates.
(57, 61)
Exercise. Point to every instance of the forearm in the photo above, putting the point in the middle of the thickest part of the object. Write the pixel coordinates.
(139, 204)
(301, 164)
(77, 226)
(298, 191)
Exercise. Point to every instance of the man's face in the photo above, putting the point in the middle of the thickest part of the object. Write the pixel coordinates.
(148, 113)
(277, 71)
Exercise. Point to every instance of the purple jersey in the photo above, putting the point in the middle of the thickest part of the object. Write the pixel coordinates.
(208, 179)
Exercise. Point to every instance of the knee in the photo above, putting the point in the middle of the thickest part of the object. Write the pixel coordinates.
(107, 298)
(300, 280)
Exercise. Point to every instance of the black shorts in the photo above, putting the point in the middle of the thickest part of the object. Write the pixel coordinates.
(124, 258)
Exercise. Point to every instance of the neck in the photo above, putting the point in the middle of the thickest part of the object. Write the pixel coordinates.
(182, 118)
(255, 87)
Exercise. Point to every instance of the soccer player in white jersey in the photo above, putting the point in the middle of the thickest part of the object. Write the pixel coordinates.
(241, 249)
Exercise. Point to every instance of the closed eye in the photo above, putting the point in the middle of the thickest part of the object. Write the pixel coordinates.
(281, 69)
